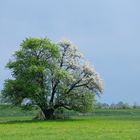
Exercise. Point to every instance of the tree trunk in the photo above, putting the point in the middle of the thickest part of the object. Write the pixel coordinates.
(49, 114)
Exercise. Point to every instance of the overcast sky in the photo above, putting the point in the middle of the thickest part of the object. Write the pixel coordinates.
(106, 31)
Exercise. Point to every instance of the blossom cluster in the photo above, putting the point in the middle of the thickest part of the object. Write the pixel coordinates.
(80, 69)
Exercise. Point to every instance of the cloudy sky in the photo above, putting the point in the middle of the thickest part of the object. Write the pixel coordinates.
(106, 31)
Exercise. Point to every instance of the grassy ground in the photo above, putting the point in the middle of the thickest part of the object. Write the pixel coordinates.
(103, 125)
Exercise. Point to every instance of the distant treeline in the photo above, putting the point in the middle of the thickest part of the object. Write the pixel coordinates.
(119, 105)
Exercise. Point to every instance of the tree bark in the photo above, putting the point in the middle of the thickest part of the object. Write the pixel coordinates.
(49, 114)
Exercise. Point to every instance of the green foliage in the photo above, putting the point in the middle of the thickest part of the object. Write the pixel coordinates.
(29, 66)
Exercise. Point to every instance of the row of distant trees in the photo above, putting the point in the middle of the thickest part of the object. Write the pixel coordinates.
(119, 105)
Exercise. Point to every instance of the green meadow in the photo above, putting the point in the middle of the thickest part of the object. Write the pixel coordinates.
(103, 124)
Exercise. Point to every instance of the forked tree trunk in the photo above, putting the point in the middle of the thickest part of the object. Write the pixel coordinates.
(49, 114)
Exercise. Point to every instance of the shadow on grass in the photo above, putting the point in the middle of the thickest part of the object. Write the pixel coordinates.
(40, 121)
(99, 116)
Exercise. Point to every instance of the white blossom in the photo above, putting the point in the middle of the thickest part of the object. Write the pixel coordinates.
(65, 43)
(88, 69)
(70, 48)
(79, 69)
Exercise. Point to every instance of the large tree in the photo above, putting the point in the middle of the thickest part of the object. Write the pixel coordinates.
(52, 76)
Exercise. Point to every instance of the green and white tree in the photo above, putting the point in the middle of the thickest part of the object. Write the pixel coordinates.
(52, 76)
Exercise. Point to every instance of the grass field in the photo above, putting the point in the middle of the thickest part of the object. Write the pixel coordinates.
(103, 125)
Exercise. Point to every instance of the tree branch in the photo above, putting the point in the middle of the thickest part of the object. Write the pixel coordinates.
(75, 85)
(62, 60)
(53, 92)
(63, 105)
(57, 82)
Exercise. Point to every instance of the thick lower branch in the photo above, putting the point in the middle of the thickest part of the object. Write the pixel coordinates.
(62, 105)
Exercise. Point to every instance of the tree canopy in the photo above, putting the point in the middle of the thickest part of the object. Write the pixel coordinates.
(52, 76)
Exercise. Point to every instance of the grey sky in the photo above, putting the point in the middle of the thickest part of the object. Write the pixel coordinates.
(106, 31)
